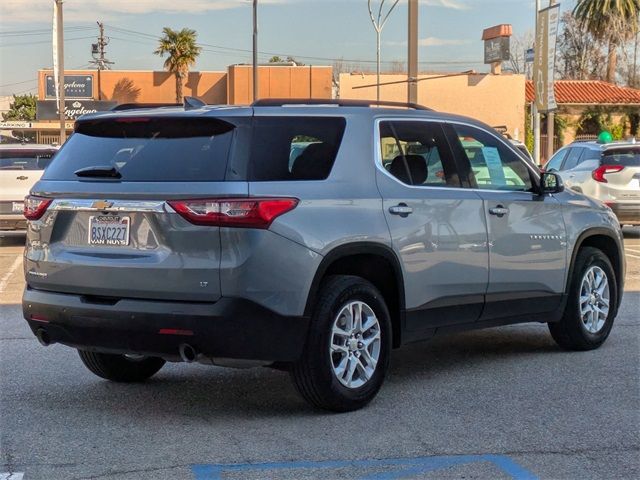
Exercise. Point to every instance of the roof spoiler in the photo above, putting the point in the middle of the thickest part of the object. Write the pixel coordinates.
(280, 102)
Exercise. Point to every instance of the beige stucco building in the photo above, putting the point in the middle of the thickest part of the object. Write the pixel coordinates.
(494, 99)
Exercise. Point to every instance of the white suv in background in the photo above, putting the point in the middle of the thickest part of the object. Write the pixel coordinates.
(21, 166)
(608, 172)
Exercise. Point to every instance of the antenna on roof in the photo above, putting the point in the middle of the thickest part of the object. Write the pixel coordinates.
(192, 102)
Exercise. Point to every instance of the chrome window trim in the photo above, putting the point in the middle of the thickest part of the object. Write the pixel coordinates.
(86, 205)
(380, 166)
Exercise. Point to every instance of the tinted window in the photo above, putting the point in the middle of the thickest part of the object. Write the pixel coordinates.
(294, 148)
(25, 159)
(148, 149)
(417, 153)
(556, 161)
(493, 165)
(572, 158)
(628, 157)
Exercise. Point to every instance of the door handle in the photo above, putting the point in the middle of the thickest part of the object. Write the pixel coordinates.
(499, 211)
(401, 209)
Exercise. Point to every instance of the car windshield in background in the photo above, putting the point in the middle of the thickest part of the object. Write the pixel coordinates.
(25, 159)
(143, 149)
(627, 157)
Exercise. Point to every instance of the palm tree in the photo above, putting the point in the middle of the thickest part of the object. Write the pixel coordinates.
(182, 53)
(610, 20)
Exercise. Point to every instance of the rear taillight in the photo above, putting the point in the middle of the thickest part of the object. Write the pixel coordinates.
(599, 173)
(34, 207)
(233, 212)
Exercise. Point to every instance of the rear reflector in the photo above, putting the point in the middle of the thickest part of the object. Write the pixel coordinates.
(599, 173)
(34, 207)
(175, 331)
(39, 318)
(234, 212)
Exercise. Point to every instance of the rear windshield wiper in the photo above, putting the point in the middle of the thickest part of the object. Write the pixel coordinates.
(99, 171)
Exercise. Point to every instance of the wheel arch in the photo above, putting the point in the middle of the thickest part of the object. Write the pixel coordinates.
(605, 240)
(373, 262)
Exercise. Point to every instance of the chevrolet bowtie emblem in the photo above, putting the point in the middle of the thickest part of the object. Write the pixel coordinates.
(101, 204)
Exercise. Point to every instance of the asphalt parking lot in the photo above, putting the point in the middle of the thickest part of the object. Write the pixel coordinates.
(498, 403)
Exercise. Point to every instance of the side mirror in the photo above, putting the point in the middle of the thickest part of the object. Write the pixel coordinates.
(551, 183)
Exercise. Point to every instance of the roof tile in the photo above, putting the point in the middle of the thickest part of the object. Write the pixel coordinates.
(589, 92)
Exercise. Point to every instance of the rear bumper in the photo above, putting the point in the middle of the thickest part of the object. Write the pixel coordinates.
(627, 213)
(12, 225)
(229, 328)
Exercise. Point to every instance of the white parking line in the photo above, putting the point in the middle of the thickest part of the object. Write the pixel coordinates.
(11, 476)
(3, 284)
(632, 250)
(632, 256)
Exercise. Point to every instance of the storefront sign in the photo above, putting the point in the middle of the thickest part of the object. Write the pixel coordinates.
(497, 50)
(12, 125)
(48, 110)
(545, 58)
(75, 86)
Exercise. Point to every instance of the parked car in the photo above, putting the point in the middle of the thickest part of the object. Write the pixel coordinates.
(185, 234)
(609, 172)
(21, 166)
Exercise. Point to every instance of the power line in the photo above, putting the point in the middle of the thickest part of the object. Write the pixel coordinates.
(148, 36)
(22, 44)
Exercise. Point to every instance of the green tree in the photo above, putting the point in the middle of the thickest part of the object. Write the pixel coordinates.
(23, 108)
(182, 51)
(612, 21)
(276, 59)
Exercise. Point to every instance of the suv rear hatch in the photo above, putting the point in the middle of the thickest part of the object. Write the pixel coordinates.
(110, 230)
(620, 171)
(20, 168)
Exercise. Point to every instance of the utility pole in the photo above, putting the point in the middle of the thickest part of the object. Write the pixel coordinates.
(98, 54)
(60, 55)
(536, 114)
(412, 54)
(255, 50)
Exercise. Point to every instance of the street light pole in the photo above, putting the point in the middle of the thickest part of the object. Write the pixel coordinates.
(412, 54)
(60, 54)
(255, 50)
(536, 114)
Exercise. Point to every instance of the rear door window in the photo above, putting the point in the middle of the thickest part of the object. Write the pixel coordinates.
(294, 148)
(25, 159)
(417, 153)
(148, 149)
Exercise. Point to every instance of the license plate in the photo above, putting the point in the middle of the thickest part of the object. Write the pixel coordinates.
(109, 230)
(17, 207)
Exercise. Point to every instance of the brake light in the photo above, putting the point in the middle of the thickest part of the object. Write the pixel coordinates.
(599, 173)
(34, 207)
(233, 212)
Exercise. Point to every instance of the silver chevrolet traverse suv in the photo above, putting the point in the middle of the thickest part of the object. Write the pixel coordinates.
(308, 237)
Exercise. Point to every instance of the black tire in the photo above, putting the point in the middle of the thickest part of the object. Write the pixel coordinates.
(313, 374)
(570, 332)
(119, 368)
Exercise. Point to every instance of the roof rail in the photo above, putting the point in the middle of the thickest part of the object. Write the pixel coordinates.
(279, 102)
(134, 106)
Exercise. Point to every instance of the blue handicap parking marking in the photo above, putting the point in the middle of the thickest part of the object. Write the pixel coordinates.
(385, 469)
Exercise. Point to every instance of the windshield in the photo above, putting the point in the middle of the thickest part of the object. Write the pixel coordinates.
(25, 159)
(143, 149)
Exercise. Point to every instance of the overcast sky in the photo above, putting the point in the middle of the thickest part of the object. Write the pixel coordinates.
(313, 31)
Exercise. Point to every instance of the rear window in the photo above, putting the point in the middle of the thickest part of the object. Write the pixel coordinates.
(294, 148)
(143, 149)
(25, 159)
(627, 157)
